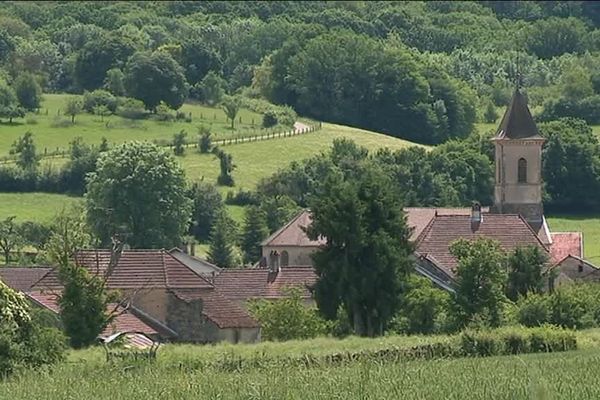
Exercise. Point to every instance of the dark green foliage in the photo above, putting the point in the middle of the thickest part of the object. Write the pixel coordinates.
(138, 189)
(525, 267)
(114, 82)
(24, 148)
(211, 89)
(199, 59)
(226, 165)
(366, 261)
(92, 100)
(207, 206)
(10, 237)
(28, 91)
(288, 318)
(82, 161)
(491, 115)
(35, 234)
(480, 279)
(269, 119)
(155, 77)
(73, 107)
(231, 105)
(222, 238)
(179, 143)
(83, 305)
(204, 140)
(534, 310)
(255, 230)
(554, 36)
(278, 211)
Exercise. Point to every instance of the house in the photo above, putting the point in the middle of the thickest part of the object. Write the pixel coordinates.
(515, 219)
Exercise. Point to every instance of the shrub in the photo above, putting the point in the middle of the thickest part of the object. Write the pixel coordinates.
(179, 142)
(181, 116)
(204, 139)
(567, 309)
(132, 109)
(242, 198)
(533, 310)
(269, 119)
(288, 318)
(163, 113)
(97, 98)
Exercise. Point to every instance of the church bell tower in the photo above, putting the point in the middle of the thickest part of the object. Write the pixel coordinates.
(518, 188)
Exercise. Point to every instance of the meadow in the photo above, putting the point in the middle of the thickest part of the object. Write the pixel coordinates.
(54, 130)
(178, 373)
(589, 224)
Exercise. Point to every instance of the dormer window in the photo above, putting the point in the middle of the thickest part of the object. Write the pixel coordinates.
(522, 171)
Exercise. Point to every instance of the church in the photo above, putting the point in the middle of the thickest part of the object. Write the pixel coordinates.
(515, 219)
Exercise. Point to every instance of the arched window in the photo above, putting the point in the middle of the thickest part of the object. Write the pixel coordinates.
(285, 259)
(522, 173)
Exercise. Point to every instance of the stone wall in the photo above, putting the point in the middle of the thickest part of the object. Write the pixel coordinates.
(297, 255)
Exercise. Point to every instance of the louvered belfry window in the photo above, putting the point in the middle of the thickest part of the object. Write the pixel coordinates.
(522, 172)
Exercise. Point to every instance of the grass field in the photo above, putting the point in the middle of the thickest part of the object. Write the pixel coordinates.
(177, 374)
(53, 130)
(39, 207)
(588, 224)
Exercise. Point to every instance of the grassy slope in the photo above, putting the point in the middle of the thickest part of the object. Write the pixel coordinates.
(48, 134)
(39, 207)
(176, 375)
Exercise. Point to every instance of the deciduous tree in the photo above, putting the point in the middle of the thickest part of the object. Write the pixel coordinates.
(254, 232)
(10, 237)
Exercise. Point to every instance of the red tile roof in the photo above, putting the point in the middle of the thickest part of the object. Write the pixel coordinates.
(23, 278)
(124, 322)
(419, 217)
(510, 230)
(293, 234)
(135, 269)
(224, 312)
(566, 244)
(245, 284)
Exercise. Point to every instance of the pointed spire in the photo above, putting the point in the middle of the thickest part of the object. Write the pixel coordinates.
(517, 122)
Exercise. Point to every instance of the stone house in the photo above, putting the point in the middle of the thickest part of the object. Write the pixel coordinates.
(515, 219)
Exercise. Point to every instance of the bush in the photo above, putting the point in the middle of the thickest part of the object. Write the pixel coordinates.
(587, 108)
(163, 113)
(242, 198)
(269, 119)
(288, 318)
(204, 140)
(533, 310)
(132, 109)
(92, 100)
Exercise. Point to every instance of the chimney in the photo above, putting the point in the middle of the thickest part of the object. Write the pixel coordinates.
(476, 216)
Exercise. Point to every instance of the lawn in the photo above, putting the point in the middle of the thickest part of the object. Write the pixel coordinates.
(39, 207)
(52, 131)
(178, 373)
(588, 224)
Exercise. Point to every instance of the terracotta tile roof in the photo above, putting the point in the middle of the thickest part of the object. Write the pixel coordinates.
(245, 284)
(224, 312)
(418, 217)
(566, 244)
(125, 322)
(135, 269)
(293, 234)
(23, 278)
(510, 230)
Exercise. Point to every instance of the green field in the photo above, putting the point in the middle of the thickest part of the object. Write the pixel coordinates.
(39, 207)
(588, 224)
(54, 131)
(180, 373)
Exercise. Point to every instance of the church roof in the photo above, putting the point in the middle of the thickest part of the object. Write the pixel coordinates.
(517, 122)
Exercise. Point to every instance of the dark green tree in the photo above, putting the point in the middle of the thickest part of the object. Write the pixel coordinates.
(226, 165)
(11, 239)
(525, 268)
(254, 232)
(73, 107)
(222, 239)
(367, 258)
(24, 148)
(114, 81)
(139, 190)
(231, 105)
(179, 142)
(491, 115)
(480, 281)
(155, 77)
(211, 89)
(207, 206)
(28, 91)
(278, 211)
(204, 140)
(422, 306)
(9, 106)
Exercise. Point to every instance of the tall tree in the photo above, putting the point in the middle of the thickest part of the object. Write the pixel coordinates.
(365, 262)
(222, 239)
(254, 232)
(211, 89)
(138, 189)
(9, 107)
(525, 267)
(207, 206)
(226, 166)
(28, 91)
(24, 148)
(73, 107)
(10, 237)
(480, 279)
(155, 77)
(231, 106)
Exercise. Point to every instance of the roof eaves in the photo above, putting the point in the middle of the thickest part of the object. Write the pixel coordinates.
(278, 232)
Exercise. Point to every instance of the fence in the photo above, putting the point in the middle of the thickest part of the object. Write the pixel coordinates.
(62, 153)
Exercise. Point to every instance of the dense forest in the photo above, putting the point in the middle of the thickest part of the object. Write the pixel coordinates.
(425, 71)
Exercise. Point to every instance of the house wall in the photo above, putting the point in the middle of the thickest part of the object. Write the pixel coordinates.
(570, 267)
(187, 320)
(151, 301)
(298, 255)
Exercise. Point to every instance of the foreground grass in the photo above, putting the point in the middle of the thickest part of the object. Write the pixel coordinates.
(589, 224)
(54, 131)
(174, 375)
(39, 207)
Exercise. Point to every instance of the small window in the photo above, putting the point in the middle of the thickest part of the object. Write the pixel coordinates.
(285, 258)
(522, 172)
(580, 268)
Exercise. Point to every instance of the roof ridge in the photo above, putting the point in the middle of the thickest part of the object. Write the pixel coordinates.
(533, 233)
(425, 230)
(184, 266)
(279, 231)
